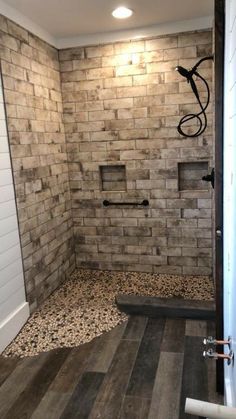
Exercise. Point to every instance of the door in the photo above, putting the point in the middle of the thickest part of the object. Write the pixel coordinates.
(14, 310)
(219, 92)
(230, 194)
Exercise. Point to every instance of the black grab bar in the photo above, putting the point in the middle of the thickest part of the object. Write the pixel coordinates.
(144, 203)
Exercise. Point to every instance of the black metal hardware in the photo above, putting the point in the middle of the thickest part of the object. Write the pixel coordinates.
(200, 117)
(144, 203)
(210, 178)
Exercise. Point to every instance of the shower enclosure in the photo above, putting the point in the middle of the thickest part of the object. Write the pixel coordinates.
(103, 179)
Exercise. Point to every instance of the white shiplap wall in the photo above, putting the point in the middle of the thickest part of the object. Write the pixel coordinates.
(14, 310)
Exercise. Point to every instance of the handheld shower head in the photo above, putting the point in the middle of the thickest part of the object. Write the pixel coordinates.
(188, 74)
(183, 71)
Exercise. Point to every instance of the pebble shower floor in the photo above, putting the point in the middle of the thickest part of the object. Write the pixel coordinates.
(84, 307)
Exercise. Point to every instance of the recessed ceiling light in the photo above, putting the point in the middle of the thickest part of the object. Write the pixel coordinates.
(122, 13)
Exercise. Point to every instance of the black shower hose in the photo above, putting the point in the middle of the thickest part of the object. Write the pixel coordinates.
(200, 116)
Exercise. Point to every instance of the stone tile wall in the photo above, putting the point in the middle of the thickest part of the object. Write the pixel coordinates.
(31, 79)
(122, 103)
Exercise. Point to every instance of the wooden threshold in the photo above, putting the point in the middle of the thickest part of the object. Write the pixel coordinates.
(166, 307)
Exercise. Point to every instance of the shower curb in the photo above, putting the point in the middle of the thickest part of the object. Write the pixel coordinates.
(166, 307)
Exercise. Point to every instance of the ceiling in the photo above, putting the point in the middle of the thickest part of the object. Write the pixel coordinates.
(74, 18)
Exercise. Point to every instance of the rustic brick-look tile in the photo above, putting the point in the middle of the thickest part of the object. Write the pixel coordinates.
(131, 102)
(31, 79)
(117, 104)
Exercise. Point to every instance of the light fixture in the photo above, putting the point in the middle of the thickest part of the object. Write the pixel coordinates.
(122, 12)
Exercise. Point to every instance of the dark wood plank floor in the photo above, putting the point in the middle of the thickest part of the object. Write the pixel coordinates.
(142, 369)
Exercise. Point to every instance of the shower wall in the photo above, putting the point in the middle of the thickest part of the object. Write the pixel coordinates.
(117, 141)
(122, 103)
(33, 100)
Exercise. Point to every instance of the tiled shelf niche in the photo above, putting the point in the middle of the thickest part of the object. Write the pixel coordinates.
(113, 178)
(190, 176)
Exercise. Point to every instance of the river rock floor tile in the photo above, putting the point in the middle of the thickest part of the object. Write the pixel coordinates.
(84, 307)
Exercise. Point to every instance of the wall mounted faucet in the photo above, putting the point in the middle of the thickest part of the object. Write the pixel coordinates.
(210, 353)
(214, 342)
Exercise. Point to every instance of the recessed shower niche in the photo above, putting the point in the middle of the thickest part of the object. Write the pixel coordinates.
(190, 175)
(113, 178)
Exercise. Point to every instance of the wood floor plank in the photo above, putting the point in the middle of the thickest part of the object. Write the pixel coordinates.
(105, 348)
(112, 390)
(61, 389)
(173, 337)
(15, 384)
(135, 328)
(135, 362)
(7, 366)
(167, 388)
(72, 369)
(213, 396)
(83, 398)
(145, 408)
(144, 372)
(52, 407)
(131, 407)
(194, 382)
(196, 328)
(134, 408)
(29, 399)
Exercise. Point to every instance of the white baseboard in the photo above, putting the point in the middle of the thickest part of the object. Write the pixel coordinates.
(12, 325)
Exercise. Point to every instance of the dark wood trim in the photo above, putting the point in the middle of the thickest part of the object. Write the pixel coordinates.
(219, 109)
(166, 307)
